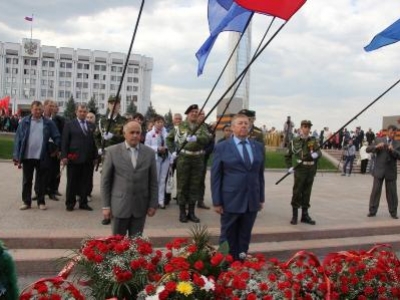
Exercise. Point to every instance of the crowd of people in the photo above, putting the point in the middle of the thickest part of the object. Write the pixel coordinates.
(139, 159)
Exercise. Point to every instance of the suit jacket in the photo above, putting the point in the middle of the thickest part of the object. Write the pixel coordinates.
(127, 190)
(77, 146)
(385, 161)
(233, 185)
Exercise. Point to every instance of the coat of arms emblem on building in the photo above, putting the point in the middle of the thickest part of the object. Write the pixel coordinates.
(30, 47)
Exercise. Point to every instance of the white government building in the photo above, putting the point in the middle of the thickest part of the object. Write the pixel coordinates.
(31, 71)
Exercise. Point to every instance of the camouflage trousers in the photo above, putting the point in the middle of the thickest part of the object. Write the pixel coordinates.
(303, 182)
(189, 177)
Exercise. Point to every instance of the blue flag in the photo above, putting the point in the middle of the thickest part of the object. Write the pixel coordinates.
(223, 15)
(389, 36)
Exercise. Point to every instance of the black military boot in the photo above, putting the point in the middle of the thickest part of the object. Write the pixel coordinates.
(305, 218)
(294, 217)
(191, 216)
(182, 214)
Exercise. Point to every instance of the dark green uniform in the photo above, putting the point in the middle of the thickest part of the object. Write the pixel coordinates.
(116, 129)
(301, 149)
(190, 163)
(256, 134)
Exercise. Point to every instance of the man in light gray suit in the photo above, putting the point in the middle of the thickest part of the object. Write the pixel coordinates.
(387, 151)
(129, 185)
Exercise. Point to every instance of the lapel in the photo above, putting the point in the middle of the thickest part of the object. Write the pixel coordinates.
(234, 149)
(126, 156)
(78, 127)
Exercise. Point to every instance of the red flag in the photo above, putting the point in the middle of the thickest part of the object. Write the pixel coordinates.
(283, 9)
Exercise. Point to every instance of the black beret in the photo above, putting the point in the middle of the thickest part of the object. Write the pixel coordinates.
(190, 108)
(306, 122)
(246, 112)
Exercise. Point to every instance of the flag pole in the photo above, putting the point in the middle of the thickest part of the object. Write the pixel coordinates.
(244, 71)
(227, 63)
(345, 125)
(31, 26)
(122, 79)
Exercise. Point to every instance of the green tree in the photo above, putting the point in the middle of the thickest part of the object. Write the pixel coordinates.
(69, 112)
(151, 112)
(131, 109)
(92, 106)
(168, 119)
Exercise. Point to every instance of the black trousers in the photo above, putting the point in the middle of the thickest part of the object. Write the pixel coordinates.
(391, 195)
(78, 177)
(53, 180)
(29, 166)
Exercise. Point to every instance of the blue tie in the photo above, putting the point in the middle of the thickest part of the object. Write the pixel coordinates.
(246, 155)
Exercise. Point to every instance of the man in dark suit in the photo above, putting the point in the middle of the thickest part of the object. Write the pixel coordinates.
(237, 185)
(79, 153)
(129, 187)
(387, 151)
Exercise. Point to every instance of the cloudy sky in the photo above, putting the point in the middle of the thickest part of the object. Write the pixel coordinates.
(315, 69)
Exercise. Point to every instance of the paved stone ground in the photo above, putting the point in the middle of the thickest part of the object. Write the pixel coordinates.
(337, 202)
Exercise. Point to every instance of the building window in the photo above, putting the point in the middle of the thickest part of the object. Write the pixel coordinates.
(61, 94)
(15, 60)
(43, 93)
(102, 86)
(45, 63)
(96, 85)
(15, 71)
(130, 79)
(27, 62)
(113, 87)
(69, 65)
(68, 83)
(62, 64)
(7, 70)
(67, 94)
(68, 74)
(96, 76)
(130, 70)
(32, 92)
(136, 71)
(135, 79)
(61, 74)
(33, 62)
(8, 60)
(51, 64)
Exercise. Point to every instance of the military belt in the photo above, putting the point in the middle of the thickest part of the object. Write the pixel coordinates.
(306, 163)
(192, 152)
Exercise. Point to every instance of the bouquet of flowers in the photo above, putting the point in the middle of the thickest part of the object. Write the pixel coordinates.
(51, 289)
(190, 271)
(118, 266)
(373, 274)
(255, 278)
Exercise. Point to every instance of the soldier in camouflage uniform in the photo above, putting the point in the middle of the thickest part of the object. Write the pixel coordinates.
(190, 163)
(255, 133)
(114, 134)
(306, 151)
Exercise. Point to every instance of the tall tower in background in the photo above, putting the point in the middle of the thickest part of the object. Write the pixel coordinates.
(239, 61)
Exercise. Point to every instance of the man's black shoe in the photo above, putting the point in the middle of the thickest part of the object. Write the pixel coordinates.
(161, 206)
(307, 219)
(70, 208)
(53, 197)
(35, 198)
(106, 221)
(57, 193)
(202, 205)
(394, 216)
(85, 207)
(371, 215)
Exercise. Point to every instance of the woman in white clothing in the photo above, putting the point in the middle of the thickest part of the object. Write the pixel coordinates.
(155, 138)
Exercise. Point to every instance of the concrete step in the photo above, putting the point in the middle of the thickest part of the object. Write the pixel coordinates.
(24, 240)
(47, 261)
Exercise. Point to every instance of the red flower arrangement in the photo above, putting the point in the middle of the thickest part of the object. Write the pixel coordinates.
(372, 274)
(190, 271)
(118, 266)
(302, 277)
(51, 289)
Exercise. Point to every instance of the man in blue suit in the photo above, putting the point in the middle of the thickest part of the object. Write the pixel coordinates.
(237, 186)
